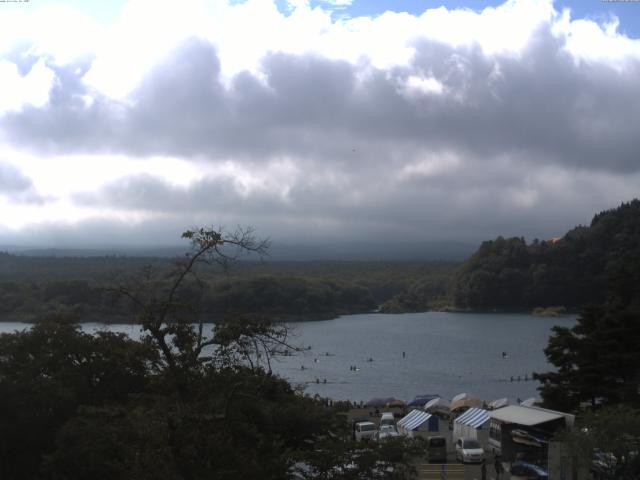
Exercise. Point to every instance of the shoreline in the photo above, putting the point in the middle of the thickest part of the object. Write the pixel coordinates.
(297, 318)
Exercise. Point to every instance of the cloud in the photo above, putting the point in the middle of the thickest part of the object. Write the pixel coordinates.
(338, 3)
(19, 90)
(514, 120)
(12, 180)
(541, 106)
(441, 204)
(16, 188)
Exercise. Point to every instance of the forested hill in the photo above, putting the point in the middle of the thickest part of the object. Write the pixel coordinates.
(577, 269)
(32, 288)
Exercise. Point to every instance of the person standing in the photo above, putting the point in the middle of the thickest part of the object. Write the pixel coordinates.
(498, 466)
(483, 470)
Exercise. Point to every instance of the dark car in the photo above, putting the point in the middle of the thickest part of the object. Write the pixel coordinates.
(437, 450)
(528, 471)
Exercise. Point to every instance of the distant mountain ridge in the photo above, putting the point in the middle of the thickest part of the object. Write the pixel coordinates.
(348, 251)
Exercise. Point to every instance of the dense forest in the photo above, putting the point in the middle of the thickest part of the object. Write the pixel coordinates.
(508, 273)
(33, 287)
(572, 271)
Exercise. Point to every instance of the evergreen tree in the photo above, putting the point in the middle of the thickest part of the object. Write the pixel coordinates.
(597, 360)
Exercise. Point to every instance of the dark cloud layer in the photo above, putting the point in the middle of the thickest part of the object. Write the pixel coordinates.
(512, 144)
(459, 207)
(543, 106)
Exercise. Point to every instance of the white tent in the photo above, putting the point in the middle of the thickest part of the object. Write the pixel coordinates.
(438, 405)
(460, 396)
(421, 424)
(529, 402)
(499, 403)
(474, 423)
(463, 404)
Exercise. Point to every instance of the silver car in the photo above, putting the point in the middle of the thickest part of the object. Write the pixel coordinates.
(469, 450)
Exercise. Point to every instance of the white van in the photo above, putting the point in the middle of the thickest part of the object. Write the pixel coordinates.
(387, 418)
(365, 431)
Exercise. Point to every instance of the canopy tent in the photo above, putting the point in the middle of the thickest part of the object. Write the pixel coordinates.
(438, 405)
(474, 423)
(419, 424)
(460, 396)
(465, 402)
(421, 400)
(379, 401)
(413, 419)
(474, 417)
(499, 403)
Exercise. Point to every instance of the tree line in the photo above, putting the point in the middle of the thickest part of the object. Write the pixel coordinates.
(32, 288)
(279, 297)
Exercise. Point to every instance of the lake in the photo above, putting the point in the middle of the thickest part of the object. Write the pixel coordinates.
(445, 353)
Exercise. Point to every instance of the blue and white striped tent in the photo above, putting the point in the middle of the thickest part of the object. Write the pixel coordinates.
(474, 423)
(418, 422)
(474, 417)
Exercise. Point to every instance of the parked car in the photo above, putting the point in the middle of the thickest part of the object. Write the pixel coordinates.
(387, 418)
(355, 421)
(387, 431)
(437, 449)
(527, 471)
(603, 464)
(469, 450)
(365, 431)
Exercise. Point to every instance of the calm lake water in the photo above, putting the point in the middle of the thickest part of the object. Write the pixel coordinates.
(445, 353)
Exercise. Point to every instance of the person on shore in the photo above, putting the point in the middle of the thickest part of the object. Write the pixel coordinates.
(497, 464)
(483, 470)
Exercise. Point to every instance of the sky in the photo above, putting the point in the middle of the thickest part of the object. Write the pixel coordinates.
(123, 123)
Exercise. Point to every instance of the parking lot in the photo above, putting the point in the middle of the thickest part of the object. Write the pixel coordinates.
(453, 470)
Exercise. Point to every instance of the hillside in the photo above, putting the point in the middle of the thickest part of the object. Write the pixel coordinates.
(578, 269)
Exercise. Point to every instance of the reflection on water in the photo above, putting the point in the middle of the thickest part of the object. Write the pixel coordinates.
(410, 354)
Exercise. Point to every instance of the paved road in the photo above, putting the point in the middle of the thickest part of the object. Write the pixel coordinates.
(454, 471)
